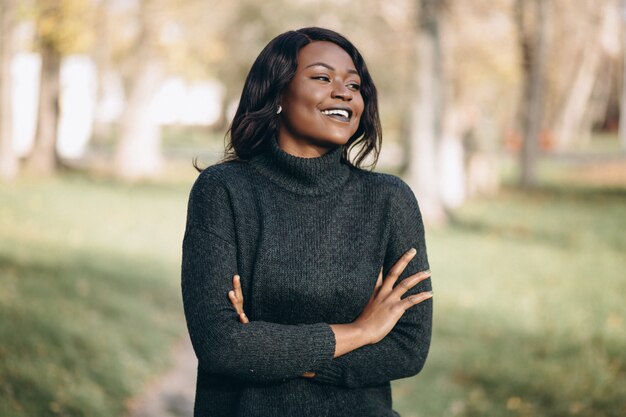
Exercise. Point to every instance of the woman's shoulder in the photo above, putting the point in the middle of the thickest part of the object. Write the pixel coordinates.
(398, 196)
(219, 174)
(221, 170)
(215, 181)
(390, 184)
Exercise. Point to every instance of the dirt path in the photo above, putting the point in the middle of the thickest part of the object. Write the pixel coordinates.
(172, 393)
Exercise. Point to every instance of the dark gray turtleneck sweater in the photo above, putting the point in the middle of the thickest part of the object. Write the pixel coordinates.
(308, 237)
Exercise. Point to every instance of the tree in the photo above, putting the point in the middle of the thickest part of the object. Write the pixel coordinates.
(622, 118)
(101, 55)
(138, 153)
(61, 28)
(8, 160)
(426, 113)
(531, 19)
(599, 33)
(479, 68)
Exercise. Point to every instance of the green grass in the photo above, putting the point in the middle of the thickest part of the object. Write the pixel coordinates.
(90, 304)
(530, 318)
(529, 311)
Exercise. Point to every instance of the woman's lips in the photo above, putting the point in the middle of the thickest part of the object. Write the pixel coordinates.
(342, 115)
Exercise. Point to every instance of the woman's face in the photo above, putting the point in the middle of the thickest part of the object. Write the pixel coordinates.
(323, 104)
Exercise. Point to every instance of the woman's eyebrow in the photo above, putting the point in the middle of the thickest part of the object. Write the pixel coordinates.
(321, 64)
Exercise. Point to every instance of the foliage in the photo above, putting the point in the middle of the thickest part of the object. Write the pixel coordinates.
(63, 25)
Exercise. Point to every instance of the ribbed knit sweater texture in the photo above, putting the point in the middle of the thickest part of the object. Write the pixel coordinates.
(307, 237)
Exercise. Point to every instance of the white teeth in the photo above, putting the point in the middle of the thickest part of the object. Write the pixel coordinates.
(343, 113)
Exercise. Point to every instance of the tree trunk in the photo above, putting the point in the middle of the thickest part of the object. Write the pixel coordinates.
(533, 48)
(138, 154)
(452, 184)
(597, 105)
(570, 119)
(426, 114)
(101, 56)
(43, 158)
(570, 123)
(8, 159)
(622, 116)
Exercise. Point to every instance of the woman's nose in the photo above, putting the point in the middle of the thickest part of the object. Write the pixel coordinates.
(341, 91)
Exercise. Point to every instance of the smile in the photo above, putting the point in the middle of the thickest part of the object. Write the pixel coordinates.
(342, 115)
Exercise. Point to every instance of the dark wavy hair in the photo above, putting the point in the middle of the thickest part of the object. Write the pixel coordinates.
(256, 121)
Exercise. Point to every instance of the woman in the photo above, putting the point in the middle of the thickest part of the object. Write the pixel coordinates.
(314, 245)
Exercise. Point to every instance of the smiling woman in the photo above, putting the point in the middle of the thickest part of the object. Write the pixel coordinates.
(322, 104)
(329, 258)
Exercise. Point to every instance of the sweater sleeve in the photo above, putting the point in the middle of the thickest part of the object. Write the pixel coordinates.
(258, 351)
(403, 351)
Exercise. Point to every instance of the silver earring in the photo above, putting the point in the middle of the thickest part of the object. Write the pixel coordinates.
(279, 109)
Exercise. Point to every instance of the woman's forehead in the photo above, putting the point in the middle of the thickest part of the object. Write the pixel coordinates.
(326, 53)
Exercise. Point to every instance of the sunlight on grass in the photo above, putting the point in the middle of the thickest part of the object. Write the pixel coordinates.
(90, 300)
(529, 311)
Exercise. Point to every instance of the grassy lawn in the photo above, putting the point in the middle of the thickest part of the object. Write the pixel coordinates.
(529, 310)
(89, 299)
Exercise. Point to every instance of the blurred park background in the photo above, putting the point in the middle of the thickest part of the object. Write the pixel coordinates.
(506, 117)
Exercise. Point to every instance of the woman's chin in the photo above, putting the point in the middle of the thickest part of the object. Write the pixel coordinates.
(335, 141)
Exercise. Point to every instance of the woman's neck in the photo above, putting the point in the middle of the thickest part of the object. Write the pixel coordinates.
(302, 175)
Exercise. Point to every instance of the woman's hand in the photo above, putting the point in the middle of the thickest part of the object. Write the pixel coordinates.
(236, 299)
(385, 307)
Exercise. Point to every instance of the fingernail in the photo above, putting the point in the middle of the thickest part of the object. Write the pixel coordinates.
(430, 293)
(412, 251)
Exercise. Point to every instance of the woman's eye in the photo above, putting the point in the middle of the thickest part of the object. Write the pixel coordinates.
(354, 86)
(322, 78)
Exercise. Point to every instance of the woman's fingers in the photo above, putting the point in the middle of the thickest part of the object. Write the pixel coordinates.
(237, 303)
(379, 283)
(397, 269)
(409, 302)
(236, 293)
(236, 299)
(409, 282)
(237, 287)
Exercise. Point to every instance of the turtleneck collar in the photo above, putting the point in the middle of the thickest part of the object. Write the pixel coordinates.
(306, 176)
